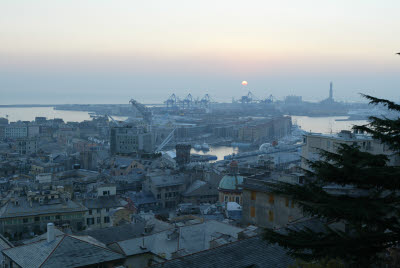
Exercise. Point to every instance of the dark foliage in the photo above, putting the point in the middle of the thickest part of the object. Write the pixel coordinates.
(368, 204)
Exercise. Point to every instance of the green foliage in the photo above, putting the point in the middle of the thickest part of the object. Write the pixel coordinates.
(370, 207)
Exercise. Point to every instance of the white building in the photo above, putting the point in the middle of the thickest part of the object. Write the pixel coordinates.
(314, 142)
(15, 131)
(106, 190)
(44, 177)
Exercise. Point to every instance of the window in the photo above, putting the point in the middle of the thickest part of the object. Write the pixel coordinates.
(25, 220)
(98, 220)
(271, 199)
(238, 199)
(58, 217)
(270, 215)
(226, 198)
(98, 210)
(90, 212)
(37, 219)
(252, 212)
(158, 196)
(292, 204)
(286, 202)
(106, 219)
(90, 221)
(253, 195)
(107, 209)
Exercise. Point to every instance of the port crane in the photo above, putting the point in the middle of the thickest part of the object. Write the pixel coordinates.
(143, 110)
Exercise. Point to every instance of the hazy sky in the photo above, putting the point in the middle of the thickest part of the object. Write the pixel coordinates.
(108, 51)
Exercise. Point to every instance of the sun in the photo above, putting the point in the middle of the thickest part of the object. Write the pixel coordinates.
(244, 83)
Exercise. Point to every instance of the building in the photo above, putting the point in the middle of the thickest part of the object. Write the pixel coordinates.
(130, 140)
(187, 238)
(200, 192)
(99, 209)
(265, 209)
(182, 154)
(39, 166)
(166, 188)
(32, 213)
(261, 130)
(3, 121)
(230, 189)
(143, 201)
(44, 177)
(26, 146)
(16, 130)
(314, 142)
(62, 251)
(40, 120)
(121, 166)
(251, 252)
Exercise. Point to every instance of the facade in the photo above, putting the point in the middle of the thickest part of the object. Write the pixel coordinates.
(200, 192)
(315, 142)
(182, 154)
(265, 129)
(130, 140)
(44, 178)
(14, 131)
(121, 166)
(33, 130)
(50, 167)
(26, 146)
(229, 188)
(31, 214)
(167, 189)
(98, 211)
(265, 209)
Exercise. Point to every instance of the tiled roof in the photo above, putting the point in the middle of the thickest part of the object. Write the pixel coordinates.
(252, 252)
(192, 238)
(116, 233)
(24, 209)
(64, 251)
(102, 202)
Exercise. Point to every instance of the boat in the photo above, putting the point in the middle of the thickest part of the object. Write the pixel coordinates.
(197, 146)
(205, 146)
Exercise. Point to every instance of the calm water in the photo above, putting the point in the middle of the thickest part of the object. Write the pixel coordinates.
(219, 151)
(29, 114)
(325, 125)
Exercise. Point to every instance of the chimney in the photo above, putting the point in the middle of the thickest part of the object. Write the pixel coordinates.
(50, 232)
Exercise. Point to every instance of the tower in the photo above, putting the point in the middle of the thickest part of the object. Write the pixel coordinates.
(331, 91)
(182, 154)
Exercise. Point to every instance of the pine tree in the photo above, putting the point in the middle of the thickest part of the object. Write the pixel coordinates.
(371, 214)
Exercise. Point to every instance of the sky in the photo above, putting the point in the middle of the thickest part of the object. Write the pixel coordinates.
(103, 51)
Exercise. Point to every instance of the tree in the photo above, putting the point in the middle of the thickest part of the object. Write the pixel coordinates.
(371, 213)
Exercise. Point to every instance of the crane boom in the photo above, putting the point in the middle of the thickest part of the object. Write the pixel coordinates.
(166, 141)
(143, 110)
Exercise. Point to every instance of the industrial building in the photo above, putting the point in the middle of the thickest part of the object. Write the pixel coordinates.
(129, 139)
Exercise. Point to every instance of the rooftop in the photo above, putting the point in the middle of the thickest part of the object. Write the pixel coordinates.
(250, 252)
(63, 251)
(23, 208)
